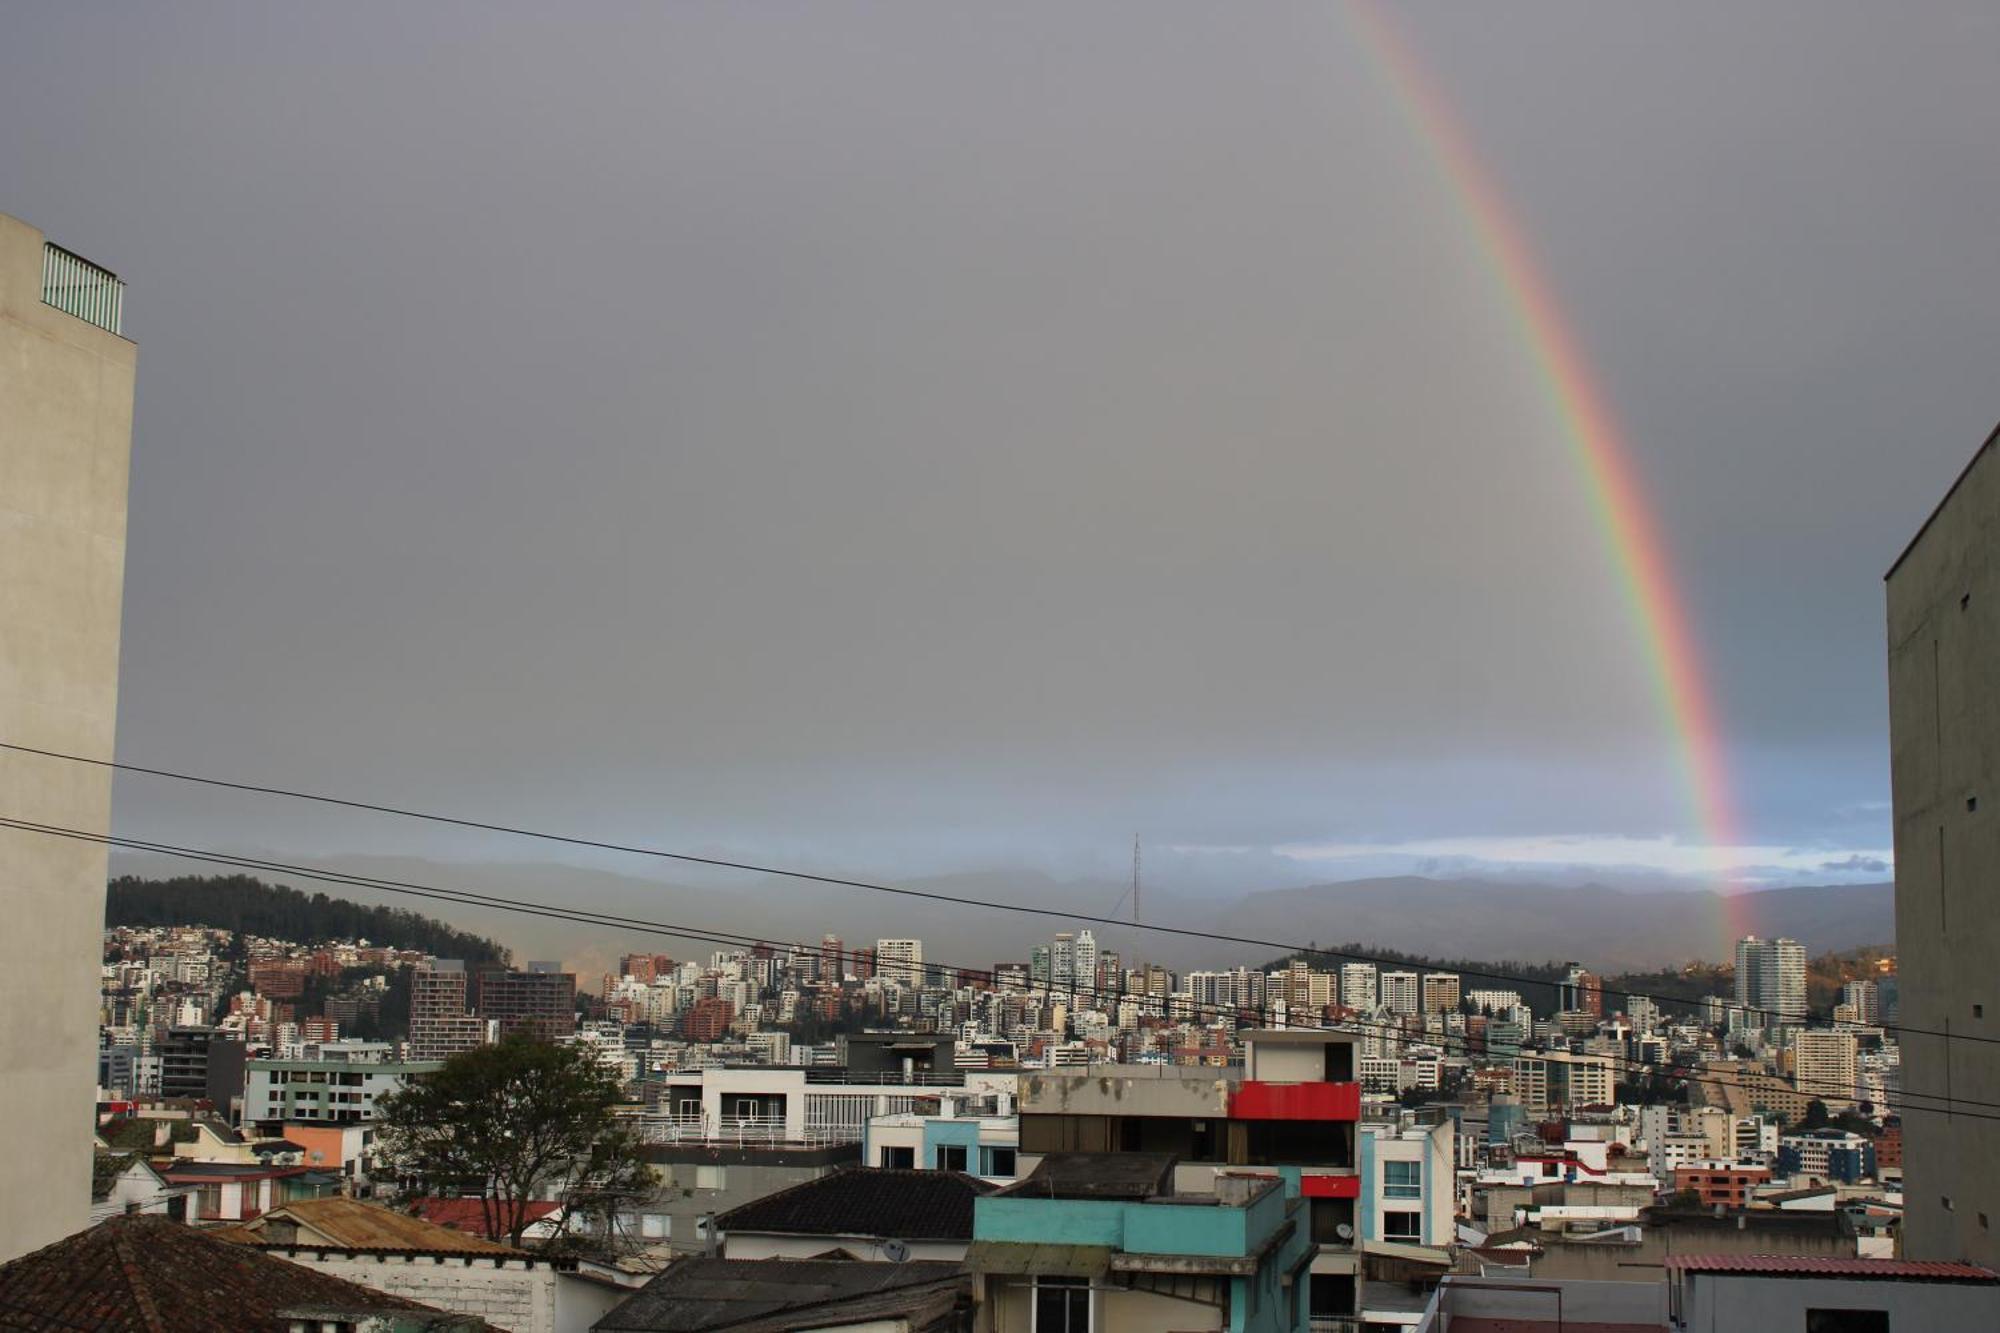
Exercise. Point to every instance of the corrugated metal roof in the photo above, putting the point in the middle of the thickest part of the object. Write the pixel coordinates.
(349, 1224)
(1792, 1265)
(989, 1256)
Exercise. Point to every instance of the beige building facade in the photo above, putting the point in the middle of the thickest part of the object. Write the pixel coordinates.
(66, 380)
(1944, 738)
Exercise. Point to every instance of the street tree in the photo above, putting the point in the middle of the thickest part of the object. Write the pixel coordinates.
(513, 1123)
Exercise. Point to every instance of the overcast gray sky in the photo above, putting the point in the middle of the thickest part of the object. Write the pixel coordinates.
(915, 437)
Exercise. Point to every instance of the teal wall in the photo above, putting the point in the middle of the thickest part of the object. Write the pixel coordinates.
(1364, 1207)
(956, 1133)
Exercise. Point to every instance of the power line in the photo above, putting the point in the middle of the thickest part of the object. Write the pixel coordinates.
(465, 897)
(898, 890)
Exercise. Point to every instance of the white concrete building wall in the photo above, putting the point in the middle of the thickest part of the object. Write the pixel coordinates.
(518, 1296)
(65, 448)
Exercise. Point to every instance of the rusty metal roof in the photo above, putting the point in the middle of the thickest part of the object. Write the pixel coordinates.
(1798, 1265)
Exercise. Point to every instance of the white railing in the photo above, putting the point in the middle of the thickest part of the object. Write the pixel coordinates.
(737, 1130)
(75, 286)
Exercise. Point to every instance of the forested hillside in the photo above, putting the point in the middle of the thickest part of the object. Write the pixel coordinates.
(244, 904)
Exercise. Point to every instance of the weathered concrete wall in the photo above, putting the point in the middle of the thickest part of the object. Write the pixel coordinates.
(65, 445)
(1944, 731)
(516, 1298)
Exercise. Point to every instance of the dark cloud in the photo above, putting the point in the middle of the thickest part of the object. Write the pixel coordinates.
(917, 436)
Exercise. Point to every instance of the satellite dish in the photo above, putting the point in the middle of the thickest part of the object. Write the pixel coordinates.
(895, 1251)
(1345, 1231)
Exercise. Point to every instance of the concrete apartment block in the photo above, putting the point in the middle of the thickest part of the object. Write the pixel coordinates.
(65, 444)
(1944, 739)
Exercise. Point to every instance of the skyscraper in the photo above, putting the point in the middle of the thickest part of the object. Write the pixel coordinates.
(1944, 761)
(1771, 981)
(1358, 989)
(1440, 992)
(66, 380)
(1086, 962)
(1062, 961)
(440, 1026)
(1401, 992)
(901, 961)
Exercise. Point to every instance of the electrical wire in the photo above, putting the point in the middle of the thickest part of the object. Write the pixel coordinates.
(1289, 948)
(709, 935)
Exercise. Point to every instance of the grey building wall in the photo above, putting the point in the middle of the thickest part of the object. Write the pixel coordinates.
(65, 445)
(1944, 730)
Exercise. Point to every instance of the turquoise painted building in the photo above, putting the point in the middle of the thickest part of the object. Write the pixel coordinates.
(1102, 1242)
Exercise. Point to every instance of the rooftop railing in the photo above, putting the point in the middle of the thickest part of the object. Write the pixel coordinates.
(75, 286)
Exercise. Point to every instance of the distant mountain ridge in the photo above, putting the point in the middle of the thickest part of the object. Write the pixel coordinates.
(1602, 928)
(1608, 930)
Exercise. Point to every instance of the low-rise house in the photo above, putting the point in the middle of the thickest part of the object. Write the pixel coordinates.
(235, 1192)
(122, 1183)
(147, 1274)
(861, 1213)
(406, 1256)
(1104, 1241)
(774, 1295)
(979, 1142)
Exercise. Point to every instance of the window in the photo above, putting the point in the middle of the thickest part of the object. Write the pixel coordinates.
(655, 1226)
(902, 1159)
(999, 1161)
(1847, 1321)
(951, 1157)
(1402, 1226)
(1402, 1180)
(711, 1177)
(1062, 1305)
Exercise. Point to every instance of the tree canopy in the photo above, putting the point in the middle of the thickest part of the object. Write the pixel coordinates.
(245, 904)
(513, 1123)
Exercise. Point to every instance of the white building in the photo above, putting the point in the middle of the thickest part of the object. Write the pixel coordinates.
(329, 1090)
(1408, 1182)
(1402, 992)
(901, 961)
(1359, 988)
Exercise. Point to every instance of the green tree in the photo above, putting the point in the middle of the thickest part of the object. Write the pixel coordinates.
(1816, 1116)
(521, 1121)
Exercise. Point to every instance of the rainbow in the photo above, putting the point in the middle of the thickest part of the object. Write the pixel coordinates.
(1596, 443)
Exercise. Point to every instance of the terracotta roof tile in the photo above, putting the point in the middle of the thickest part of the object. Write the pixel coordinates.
(146, 1274)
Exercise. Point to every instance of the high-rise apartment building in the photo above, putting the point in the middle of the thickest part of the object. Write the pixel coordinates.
(540, 1003)
(66, 379)
(1944, 741)
(1783, 987)
(901, 961)
(1866, 998)
(1062, 961)
(1441, 992)
(1824, 1065)
(1358, 988)
(440, 1025)
(1580, 992)
(1085, 957)
(1771, 981)
(1401, 992)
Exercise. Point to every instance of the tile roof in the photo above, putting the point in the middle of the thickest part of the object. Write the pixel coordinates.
(1794, 1265)
(350, 1224)
(145, 1274)
(769, 1295)
(867, 1201)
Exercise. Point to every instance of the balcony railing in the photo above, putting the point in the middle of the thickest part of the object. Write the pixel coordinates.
(888, 1078)
(75, 286)
(759, 1131)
